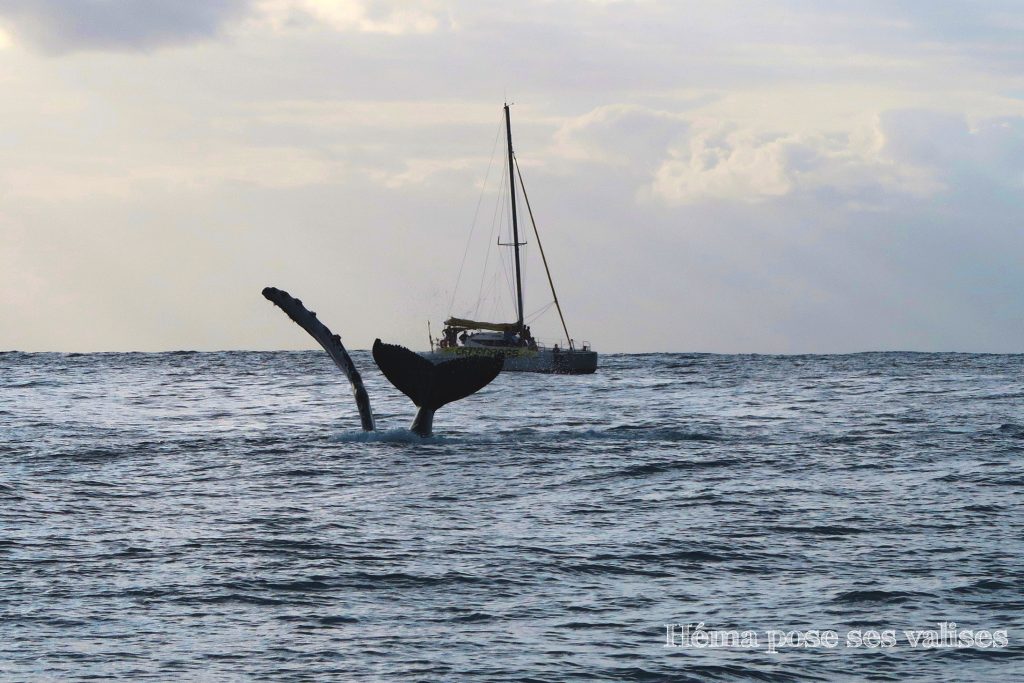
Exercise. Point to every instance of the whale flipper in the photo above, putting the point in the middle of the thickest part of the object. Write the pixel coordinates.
(331, 342)
(430, 385)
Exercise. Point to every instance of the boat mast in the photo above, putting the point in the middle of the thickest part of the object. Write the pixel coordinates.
(515, 223)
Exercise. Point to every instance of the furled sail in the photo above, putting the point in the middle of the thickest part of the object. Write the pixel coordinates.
(463, 324)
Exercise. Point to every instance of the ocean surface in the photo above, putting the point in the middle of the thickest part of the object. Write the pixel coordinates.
(219, 516)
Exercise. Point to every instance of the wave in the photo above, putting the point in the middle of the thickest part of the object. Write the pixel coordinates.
(559, 436)
(658, 433)
(660, 467)
(32, 384)
(677, 556)
(820, 530)
(1013, 430)
(337, 619)
(222, 492)
(389, 436)
(984, 586)
(878, 595)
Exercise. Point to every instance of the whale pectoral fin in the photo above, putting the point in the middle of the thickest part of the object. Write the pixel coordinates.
(330, 342)
(460, 377)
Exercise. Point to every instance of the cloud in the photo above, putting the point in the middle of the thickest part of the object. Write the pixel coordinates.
(422, 171)
(685, 158)
(392, 17)
(678, 158)
(121, 179)
(62, 26)
(67, 26)
(619, 134)
(719, 163)
(722, 161)
(992, 148)
(785, 175)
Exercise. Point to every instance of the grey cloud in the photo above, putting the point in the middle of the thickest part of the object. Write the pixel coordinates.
(683, 158)
(621, 133)
(911, 152)
(992, 148)
(924, 136)
(62, 26)
(268, 139)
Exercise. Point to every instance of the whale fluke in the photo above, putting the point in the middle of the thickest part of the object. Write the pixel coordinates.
(331, 342)
(430, 385)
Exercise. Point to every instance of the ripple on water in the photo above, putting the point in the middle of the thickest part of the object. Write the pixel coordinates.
(222, 516)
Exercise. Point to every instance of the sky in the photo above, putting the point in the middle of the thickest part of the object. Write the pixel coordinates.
(767, 177)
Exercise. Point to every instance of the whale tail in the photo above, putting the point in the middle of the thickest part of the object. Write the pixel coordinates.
(430, 385)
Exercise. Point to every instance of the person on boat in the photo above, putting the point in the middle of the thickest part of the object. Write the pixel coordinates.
(528, 340)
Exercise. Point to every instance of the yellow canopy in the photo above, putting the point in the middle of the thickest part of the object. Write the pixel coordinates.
(474, 325)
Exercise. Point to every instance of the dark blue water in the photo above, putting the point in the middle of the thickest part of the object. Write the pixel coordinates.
(219, 516)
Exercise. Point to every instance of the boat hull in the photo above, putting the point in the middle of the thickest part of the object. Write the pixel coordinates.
(550, 361)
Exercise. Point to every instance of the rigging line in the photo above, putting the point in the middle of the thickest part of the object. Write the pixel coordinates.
(490, 297)
(487, 258)
(476, 213)
(540, 311)
(542, 256)
(525, 257)
(497, 300)
(491, 293)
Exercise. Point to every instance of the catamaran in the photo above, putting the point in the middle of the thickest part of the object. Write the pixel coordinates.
(514, 340)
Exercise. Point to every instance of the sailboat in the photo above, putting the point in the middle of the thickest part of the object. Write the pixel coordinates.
(514, 340)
